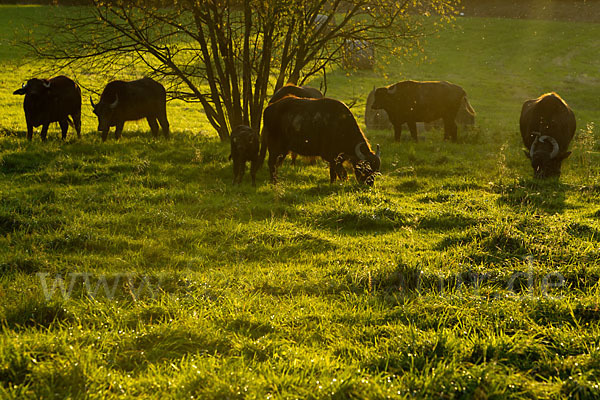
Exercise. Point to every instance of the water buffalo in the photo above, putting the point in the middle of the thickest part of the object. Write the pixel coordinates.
(547, 127)
(411, 102)
(378, 119)
(51, 100)
(303, 92)
(244, 147)
(317, 127)
(130, 101)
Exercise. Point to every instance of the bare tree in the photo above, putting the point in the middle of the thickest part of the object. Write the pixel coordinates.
(227, 54)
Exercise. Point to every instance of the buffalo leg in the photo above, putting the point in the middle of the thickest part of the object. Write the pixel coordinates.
(236, 169)
(44, 132)
(29, 131)
(413, 130)
(253, 168)
(273, 160)
(332, 171)
(450, 129)
(397, 132)
(77, 123)
(164, 123)
(64, 127)
(339, 167)
(241, 171)
(153, 126)
(119, 130)
(294, 156)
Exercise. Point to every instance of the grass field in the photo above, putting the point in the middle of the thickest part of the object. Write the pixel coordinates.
(136, 268)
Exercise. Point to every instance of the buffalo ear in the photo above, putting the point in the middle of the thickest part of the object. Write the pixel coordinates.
(564, 155)
(527, 154)
(20, 91)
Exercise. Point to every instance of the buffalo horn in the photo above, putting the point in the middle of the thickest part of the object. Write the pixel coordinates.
(114, 104)
(46, 85)
(359, 153)
(392, 90)
(92, 102)
(22, 85)
(555, 147)
(532, 149)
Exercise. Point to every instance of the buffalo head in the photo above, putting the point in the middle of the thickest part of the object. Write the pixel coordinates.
(34, 87)
(104, 111)
(382, 97)
(368, 163)
(546, 157)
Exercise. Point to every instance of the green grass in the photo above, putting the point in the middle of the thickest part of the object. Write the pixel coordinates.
(442, 281)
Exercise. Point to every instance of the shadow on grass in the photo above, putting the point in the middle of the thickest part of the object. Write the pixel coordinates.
(547, 196)
(521, 282)
(389, 218)
(36, 313)
(19, 162)
(163, 344)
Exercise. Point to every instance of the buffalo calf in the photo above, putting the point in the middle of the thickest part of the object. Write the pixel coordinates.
(244, 147)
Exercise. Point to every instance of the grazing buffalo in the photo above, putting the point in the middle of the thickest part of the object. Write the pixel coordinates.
(303, 92)
(547, 127)
(317, 127)
(412, 102)
(244, 147)
(129, 101)
(51, 100)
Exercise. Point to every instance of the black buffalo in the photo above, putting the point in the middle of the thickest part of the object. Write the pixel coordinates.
(51, 100)
(317, 127)
(130, 101)
(303, 92)
(411, 102)
(244, 147)
(547, 127)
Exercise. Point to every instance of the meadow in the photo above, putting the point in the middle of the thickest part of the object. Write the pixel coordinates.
(135, 268)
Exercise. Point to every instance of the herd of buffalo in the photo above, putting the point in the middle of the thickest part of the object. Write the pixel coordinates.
(302, 121)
